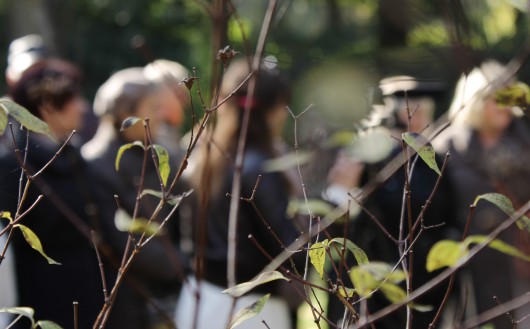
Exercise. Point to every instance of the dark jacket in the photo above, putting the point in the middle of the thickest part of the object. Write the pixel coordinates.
(62, 221)
(154, 270)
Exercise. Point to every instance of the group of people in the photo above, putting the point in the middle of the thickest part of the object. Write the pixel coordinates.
(85, 197)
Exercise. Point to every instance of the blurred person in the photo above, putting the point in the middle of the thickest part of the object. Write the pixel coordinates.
(174, 98)
(129, 93)
(489, 149)
(51, 90)
(408, 106)
(211, 174)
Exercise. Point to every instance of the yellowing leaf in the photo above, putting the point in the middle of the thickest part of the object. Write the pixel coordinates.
(345, 291)
(505, 204)
(317, 255)
(163, 162)
(242, 288)
(498, 245)
(3, 120)
(249, 311)
(423, 147)
(357, 252)
(363, 281)
(25, 118)
(45, 324)
(444, 253)
(129, 122)
(517, 94)
(34, 242)
(6, 214)
(124, 148)
(393, 292)
(124, 223)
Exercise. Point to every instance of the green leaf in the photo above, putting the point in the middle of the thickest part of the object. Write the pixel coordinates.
(249, 311)
(505, 204)
(318, 207)
(3, 120)
(517, 94)
(357, 252)
(340, 138)
(317, 255)
(497, 245)
(124, 148)
(363, 281)
(445, 253)
(393, 292)
(45, 324)
(28, 312)
(25, 118)
(423, 147)
(163, 162)
(242, 288)
(287, 161)
(124, 223)
(34, 242)
(129, 122)
(345, 291)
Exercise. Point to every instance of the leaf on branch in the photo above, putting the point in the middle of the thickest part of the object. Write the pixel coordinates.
(33, 240)
(363, 281)
(345, 291)
(393, 292)
(27, 312)
(7, 215)
(249, 311)
(382, 271)
(504, 204)
(3, 120)
(124, 148)
(25, 118)
(424, 148)
(172, 200)
(357, 252)
(317, 255)
(445, 253)
(242, 288)
(124, 223)
(45, 324)
(314, 206)
(163, 162)
(287, 161)
(129, 122)
(498, 245)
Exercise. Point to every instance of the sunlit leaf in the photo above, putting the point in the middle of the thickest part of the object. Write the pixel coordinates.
(517, 94)
(124, 223)
(7, 215)
(3, 120)
(249, 311)
(242, 288)
(124, 148)
(423, 147)
(25, 118)
(129, 122)
(444, 253)
(345, 291)
(505, 205)
(34, 242)
(363, 281)
(393, 292)
(163, 162)
(498, 245)
(45, 324)
(317, 255)
(357, 252)
(317, 207)
(287, 161)
(27, 312)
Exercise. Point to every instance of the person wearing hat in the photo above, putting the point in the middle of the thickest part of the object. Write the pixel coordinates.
(129, 93)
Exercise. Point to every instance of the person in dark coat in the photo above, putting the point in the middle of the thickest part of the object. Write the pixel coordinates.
(62, 220)
(154, 272)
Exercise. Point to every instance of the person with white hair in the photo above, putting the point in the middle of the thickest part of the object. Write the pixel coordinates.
(489, 147)
(129, 93)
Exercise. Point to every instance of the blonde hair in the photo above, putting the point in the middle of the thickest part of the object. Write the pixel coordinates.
(473, 89)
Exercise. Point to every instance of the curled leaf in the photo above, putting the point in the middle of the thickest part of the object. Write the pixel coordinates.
(124, 223)
(7, 215)
(358, 253)
(129, 122)
(445, 253)
(34, 242)
(163, 162)
(249, 311)
(25, 118)
(242, 288)
(423, 147)
(504, 204)
(124, 148)
(27, 312)
(317, 255)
